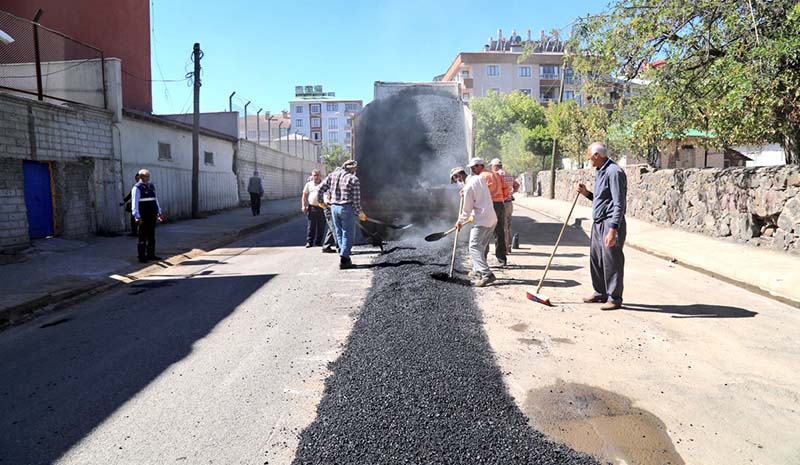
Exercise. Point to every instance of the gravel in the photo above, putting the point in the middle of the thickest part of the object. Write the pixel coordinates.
(417, 381)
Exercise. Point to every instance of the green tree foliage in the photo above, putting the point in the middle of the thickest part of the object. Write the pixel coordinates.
(576, 127)
(512, 127)
(334, 156)
(731, 67)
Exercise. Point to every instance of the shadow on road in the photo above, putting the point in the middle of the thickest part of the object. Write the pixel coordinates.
(693, 311)
(62, 378)
(538, 233)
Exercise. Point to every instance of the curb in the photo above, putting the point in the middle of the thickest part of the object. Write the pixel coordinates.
(655, 253)
(38, 306)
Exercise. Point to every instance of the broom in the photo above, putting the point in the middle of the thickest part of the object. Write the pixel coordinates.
(536, 296)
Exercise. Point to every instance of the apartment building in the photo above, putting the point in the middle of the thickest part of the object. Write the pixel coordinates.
(497, 68)
(322, 117)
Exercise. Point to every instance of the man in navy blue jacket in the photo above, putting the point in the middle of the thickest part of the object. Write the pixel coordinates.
(606, 260)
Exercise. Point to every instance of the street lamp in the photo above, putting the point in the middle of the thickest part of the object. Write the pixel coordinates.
(258, 125)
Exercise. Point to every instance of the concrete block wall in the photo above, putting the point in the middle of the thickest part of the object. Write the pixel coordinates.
(77, 141)
(13, 217)
(760, 206)
(282, 175)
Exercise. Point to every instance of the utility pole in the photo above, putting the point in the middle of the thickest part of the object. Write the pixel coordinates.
(552, 193)
(196, 56)
(37, 54)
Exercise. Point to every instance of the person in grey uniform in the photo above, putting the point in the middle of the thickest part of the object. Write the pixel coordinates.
(256, 191)
(606, 260)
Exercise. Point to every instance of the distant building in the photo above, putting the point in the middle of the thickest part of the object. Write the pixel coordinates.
(323, 118)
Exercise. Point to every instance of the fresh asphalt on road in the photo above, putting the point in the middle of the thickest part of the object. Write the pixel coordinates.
(224, 359)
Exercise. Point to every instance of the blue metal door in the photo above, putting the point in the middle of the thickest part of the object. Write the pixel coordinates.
(38, 199)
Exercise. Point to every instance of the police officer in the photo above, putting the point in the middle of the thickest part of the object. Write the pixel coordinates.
(147, 212)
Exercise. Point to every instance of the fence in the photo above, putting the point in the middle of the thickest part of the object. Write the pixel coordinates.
(49, 65)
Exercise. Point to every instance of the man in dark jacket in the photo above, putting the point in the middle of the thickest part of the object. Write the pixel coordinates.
(147, 212)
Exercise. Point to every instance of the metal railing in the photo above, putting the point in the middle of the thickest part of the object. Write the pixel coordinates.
(47, 65)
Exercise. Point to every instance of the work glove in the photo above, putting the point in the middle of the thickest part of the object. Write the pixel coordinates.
(362, 217)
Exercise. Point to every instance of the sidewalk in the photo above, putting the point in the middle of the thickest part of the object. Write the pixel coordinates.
(774, 273)
(55, 270)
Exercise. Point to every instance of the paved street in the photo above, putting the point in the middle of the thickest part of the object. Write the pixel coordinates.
(224, 359)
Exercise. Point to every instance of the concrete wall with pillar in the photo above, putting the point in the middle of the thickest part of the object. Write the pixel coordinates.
(283, 175)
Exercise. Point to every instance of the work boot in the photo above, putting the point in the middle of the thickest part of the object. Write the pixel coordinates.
(595, 299)
(345, 263)
(328, 249)
(142, 259)
(611, 305)
(309, 245)
(154, 257)
(485, 280)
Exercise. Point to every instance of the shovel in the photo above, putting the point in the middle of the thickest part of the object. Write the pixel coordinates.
(455, 241)
(436, 236)
(393, 226)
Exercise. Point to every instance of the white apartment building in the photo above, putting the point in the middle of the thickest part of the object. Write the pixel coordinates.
(497, 68)
(323, 118)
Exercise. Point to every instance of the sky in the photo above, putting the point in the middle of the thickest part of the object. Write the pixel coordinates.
(262, 49)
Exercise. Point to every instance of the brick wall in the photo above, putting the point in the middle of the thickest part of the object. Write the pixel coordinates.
(13, 219)
(282, 175)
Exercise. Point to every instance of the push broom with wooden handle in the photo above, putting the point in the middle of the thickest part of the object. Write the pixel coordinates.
(455, 241)
(536, 296)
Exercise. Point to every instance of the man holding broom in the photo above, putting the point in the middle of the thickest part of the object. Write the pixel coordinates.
(606, 260)
(478, 204)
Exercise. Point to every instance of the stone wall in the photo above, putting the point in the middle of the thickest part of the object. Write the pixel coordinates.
(282, 175)
(760, 206)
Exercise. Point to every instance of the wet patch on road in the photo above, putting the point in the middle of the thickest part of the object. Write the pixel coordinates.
(520, 327)
(418, 382)
(562, 340)
(530, 341)
(601, 423)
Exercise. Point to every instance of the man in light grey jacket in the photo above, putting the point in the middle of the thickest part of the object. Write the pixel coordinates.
(256, 191)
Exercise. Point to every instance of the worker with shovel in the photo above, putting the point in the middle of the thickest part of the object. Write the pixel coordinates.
(345, 192)
(606, 260)
(477, 203)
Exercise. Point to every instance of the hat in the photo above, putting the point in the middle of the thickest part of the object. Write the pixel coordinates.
(456, 171)
(350, 164)
(474, 162)
(496, 161)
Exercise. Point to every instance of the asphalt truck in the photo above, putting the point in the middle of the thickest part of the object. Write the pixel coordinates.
(406, 142)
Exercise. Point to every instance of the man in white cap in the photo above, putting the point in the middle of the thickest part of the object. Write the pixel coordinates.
(478, 204)
(508, 202)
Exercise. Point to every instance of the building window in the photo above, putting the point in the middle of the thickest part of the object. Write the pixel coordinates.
(525, 71)
(493, 70)
(316, 136)
(347, 136)
(332, 106)
(350, 107)
(164, 151)
(298, 109)
(547, 95)
(527, 92)
(333, 123)
(208, 157)
(548, 72)
(316, 122)
(465, 74)
(315, 108)
(298, 123)
(333, 136)
(569, 76)
(569, 94)
(465, 97)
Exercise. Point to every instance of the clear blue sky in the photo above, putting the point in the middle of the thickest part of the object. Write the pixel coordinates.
(262, 49)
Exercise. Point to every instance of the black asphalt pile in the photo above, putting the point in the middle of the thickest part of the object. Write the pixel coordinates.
(417, 382)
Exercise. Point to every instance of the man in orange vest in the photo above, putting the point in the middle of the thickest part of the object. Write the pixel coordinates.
(499, 192)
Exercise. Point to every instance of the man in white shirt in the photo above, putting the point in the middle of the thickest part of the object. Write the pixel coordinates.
(310, 206)
(478, 204)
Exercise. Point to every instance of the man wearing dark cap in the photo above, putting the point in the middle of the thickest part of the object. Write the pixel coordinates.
(345, 194)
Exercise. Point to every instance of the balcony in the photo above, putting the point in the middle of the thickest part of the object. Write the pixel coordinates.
(468, 83)
(548, 77)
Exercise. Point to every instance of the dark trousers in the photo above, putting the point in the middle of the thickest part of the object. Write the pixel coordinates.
(147, 236)
(316, 225)
(330, 236)
(499, 233)
(255, 203)
(607, 265)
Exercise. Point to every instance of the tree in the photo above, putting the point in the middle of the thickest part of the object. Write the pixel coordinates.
(509, 126)
(730, 67)
(576, 127)
(333, 156)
